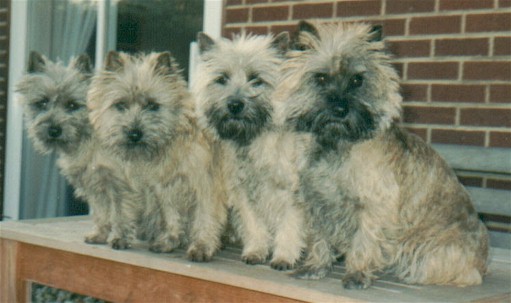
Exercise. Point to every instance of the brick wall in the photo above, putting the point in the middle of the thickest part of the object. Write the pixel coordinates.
(4, 59)
(454, 58)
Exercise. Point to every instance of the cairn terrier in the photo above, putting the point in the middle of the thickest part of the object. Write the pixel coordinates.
(56, 116)
(143, 114)
(377, 195)
(236, 79)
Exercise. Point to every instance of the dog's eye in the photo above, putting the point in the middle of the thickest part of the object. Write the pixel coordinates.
(121, 106)
(72, 106)
(222, 79)
(152, 106)
(356, 81)
(321, 79)
(255, 80)
(42, 104)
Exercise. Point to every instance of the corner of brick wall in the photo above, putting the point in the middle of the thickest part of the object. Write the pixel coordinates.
(454, 58)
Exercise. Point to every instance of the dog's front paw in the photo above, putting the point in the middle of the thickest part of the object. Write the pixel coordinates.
(96, 238)
(164, 244)
(253, 259)
(356, 280)
(200, 253)
(311, 272)
(281, 265)
(119, 243)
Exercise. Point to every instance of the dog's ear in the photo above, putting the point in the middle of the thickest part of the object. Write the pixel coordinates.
(83, 64)
(376, 33)
(281, 42)
(36, 62)
(302, 42)
(114, 62)
(165, 64)
(304, 26)
(205, 42)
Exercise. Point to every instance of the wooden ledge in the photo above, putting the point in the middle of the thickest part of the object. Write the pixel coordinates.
(52, 252)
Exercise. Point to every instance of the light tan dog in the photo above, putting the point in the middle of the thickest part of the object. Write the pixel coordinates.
(235, 81)
(376, 194)
(143, 114)
(56, 116)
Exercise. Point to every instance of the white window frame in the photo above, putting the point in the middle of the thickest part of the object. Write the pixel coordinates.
(106, 37)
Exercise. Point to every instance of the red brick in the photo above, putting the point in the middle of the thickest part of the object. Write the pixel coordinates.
(447, 136)
(500, 93)
(429, 115)
(257, 30)
(493, 70)
(471, 181)
(502, 46)
(232, 2)
(399, 68)
(229, 32)
(414, 92)
(407, 6)
(465, 4)
(488, 22)
(462, 47)
(313, 10)
(270, 13)
(358, 8)
(410, 48)
(393, 27)
(435, 25)
(236, 15)
(504, 3)
(457, 93)
(432, 70)
(420, 132)
(504, 184)
(283, 28)
(255, 1)
(485, 117)
(500, 139)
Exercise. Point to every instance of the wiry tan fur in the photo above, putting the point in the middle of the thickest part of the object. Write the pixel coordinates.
(256, 159)
(144, 99)
(376, 194)
(54, 102)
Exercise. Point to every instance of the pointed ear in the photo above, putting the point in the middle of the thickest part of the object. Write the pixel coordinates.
(113, 62)
(165, 64)
(36, 63)
(376, 33)
(281, 42)
(304, 26)
(205, 42)
(83, 64)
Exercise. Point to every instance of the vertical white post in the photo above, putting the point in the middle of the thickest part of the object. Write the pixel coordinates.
(212, 22)
(14, 135)
(211, 25)
(101, 32)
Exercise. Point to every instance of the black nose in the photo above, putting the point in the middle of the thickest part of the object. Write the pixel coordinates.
(135, 135)
(235, 106)
(54, 131)
(339, 105)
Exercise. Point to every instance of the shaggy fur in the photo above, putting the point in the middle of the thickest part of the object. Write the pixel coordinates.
(54, 103)
(234, 86)
(376, 194)
(144, 115)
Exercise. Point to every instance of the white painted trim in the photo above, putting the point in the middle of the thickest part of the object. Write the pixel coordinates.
(212, 21)
(211, 25)
(14, 134)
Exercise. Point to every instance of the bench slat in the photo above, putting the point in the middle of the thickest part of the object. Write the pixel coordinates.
(473, 158)
(491, 201)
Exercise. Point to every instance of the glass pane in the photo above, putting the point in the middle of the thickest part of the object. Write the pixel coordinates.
(159, 25)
